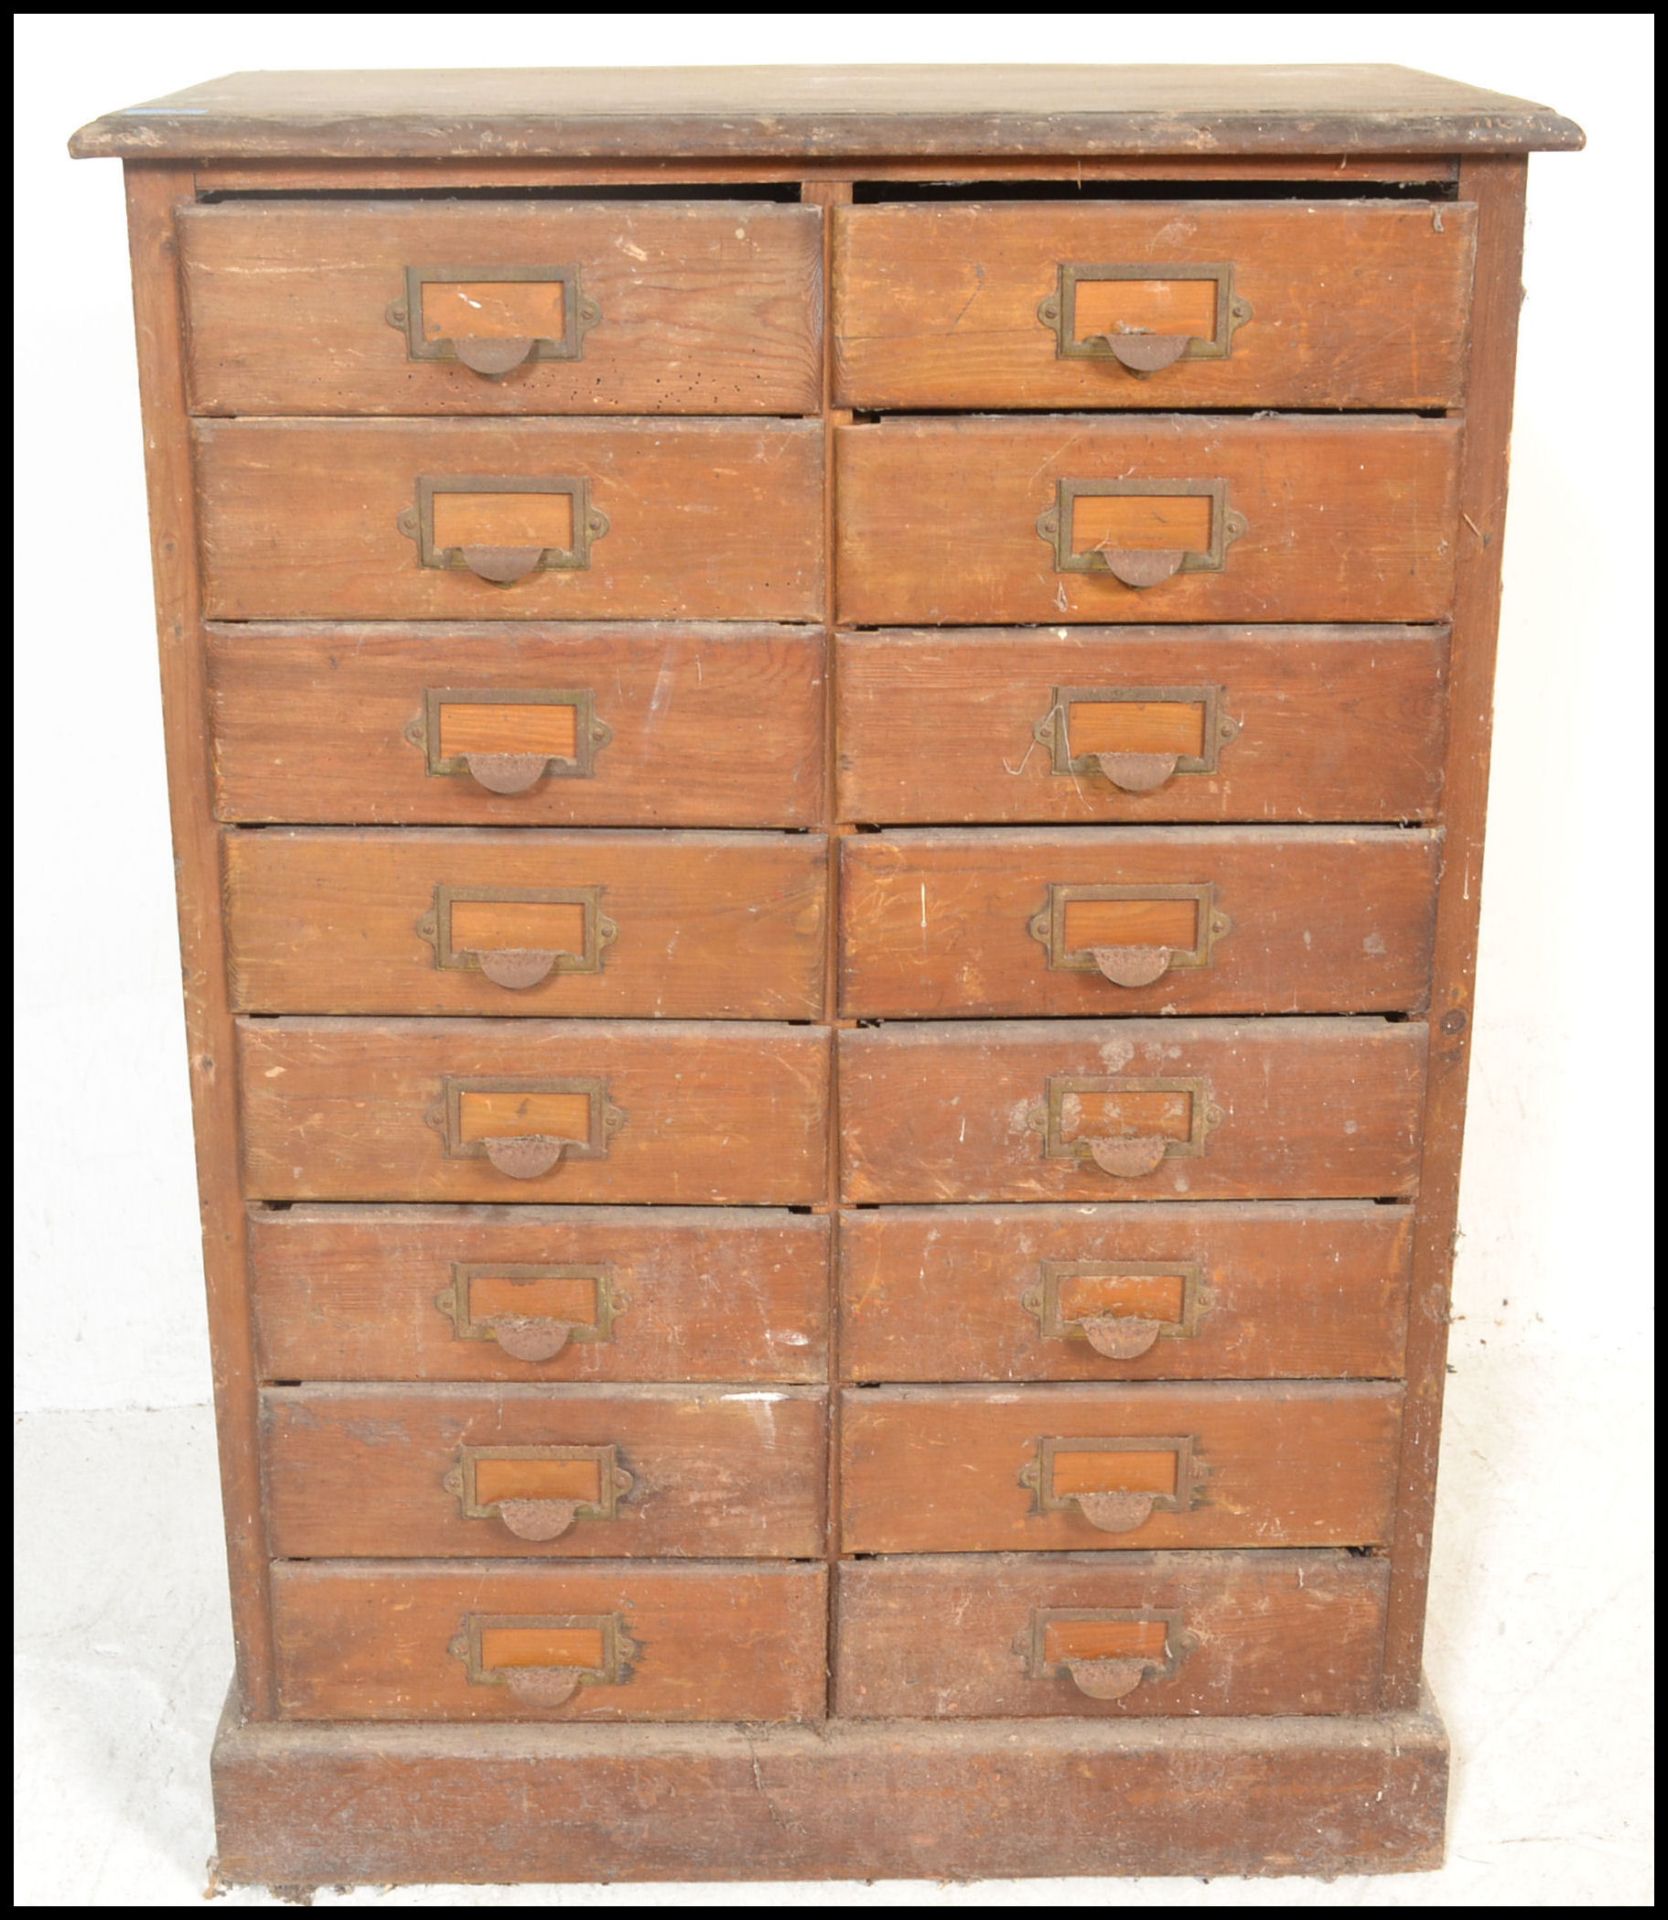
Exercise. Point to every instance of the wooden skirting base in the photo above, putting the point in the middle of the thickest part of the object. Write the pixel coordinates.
(302, 1806)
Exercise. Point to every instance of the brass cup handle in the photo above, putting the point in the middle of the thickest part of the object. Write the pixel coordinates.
(1137, 566)
(1137, 772)
(506, 772)
(492, 359)
(516, 968)
(1128, 1159)
(503, 566)
(544, 1686)
(1119, 1336)
(528, 1336)
(1129, 966)
(1109, 1679)
(525, 1156)
(1115, 1512)
(538, 1519)
(1143, 353)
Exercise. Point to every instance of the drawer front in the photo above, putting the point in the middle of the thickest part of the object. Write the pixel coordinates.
(490, 308)
(579, 520)
(575, 1643)
(1131, 1110)
(1160, 304)
(506, 725)
(593, 1472)
(538, 1293)
(1154, 920)
(1271, 1291)
(1099, 1636)
(1149, 724)
(974, 1470)
(1077, 518)
(680, 926)
(557, 1111)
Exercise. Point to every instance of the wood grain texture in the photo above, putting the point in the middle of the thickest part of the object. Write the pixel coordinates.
(1351, 305)
(949, 1638)
(708, 519)
(1312, 1109)
(1317, 1291)
(709, 726)
(937, 1469)
(715, 1113)
(704, 309)
(1332, 724)
(1498, 191)
(1319, 920)
(349, 1293)
(357, 1471)
(722, 1641)
(697, 112)
(153, 196)
(723, 926)
(1346, 519)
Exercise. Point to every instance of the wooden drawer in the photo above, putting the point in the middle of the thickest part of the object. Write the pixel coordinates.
(1131, 1110)
(538, 1293)
(1104, 1635)
(678, 926)
(591, 1471)
(976, 1470)
(1151, 920)
(1209, 1292)
(454, 519)
(522, 1110)
(1217, 304)
(657, 307)
(946, 522)
(513, 725)
(597, 1642)
(1141, 724)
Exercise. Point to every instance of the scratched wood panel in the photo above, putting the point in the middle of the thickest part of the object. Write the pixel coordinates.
(1345, 519)
(1316, 920)
(938, 1469)
(1340, 723)
(352, 1293)
(1351, 305)
(681, 926)
(1266, 1291)
(706, 726)
(1310, 1109)
(707, 519)
(711, 1642)
(714, 1113)
(943, 1638)
(359, 1471)
(700, 308)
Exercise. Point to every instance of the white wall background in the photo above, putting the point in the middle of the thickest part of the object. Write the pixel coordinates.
(1554, 1270)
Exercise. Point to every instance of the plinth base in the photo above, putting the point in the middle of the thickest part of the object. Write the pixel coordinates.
(302, 1806)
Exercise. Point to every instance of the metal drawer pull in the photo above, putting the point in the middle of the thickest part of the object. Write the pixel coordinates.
(1114, 1512)
(516, 967)
(549, 297)
(1217, 313)
(543, 1662)
(531, 1337)
(1057, 1474)
(1141, 566)
(503, 566)
(493, 358)
(1106, 1679)
(505, 772)
(456, 517)
(587, 1483)
(532, 1312)
(1137, 772)
(1119, 1336)
(527, 1156)
(1128, 1159)
(1105, 1652)
(1133, 966)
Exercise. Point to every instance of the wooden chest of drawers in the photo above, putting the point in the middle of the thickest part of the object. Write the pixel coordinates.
(828, 734)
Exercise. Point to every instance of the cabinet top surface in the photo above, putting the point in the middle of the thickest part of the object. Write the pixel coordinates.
(823, 112)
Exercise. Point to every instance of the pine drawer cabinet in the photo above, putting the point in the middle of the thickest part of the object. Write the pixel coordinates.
(828, 734)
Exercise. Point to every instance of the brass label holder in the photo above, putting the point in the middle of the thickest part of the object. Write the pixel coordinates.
(486, 354)
(1102, 1677)
(1055, 526)
(546, 1686)
(1049, 1118)
(589, 733)
(1049, 924)
(1116, 1511)
(1129, 1334)
(436, 928)
(417, 523)
(524, 1336)
(1058, 312)
(536, 1517)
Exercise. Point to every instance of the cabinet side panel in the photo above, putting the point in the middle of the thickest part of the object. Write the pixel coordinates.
(154, 193)
(1496, 188)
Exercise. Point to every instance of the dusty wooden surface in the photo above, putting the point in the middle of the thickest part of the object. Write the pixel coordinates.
(707, 726)
(349, 1293)
(1278, 1290)
(936, 306)
(956, 1637)
(702, 309)
(716, 1472)
(720, 1641)
(693, 112)
(1315, 920)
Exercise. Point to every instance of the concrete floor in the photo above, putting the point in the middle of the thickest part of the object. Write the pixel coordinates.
(1538, 1654)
